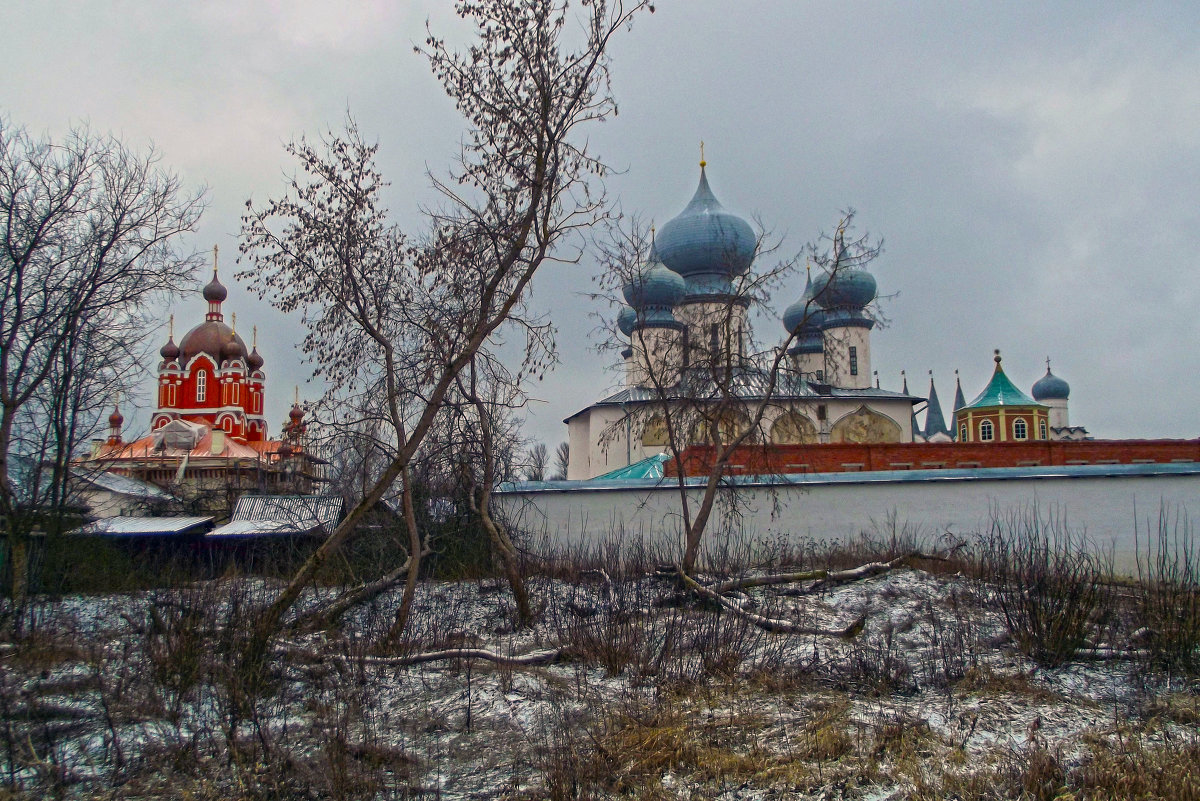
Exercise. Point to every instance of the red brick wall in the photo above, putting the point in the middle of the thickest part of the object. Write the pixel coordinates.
(843, 457)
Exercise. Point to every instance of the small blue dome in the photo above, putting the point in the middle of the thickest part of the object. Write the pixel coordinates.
(848, 288)
(803, 315)
(705, 238)
(1051, 387)
(626, 320)
(656, 286)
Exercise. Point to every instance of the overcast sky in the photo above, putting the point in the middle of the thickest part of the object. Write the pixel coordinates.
(1034, 169)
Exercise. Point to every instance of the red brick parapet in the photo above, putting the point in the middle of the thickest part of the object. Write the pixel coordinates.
(852, 457)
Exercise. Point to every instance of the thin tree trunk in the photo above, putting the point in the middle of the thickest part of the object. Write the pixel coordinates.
(415, 553)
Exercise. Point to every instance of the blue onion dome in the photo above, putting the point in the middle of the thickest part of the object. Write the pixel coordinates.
(1050, 387)
(803, 315)
(654, 286)
(847, 288)
(845, 318)
(804, 312)
(705, 238)
(626, 320)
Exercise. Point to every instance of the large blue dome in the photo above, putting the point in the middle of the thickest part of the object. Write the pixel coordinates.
(845, 318)
(848, 288)
(705, 238)
(1051, 387)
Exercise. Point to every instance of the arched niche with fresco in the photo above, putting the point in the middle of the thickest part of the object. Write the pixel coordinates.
(793, 428)
(865, 425)
(654, 432)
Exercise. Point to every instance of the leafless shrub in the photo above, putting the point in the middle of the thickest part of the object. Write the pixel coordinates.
(1168, 597)
(1049, 582)
(955, 645)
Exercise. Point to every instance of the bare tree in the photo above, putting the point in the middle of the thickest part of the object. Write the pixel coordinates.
(537, 460)
(491, 391)
(90, 230)
(709, 381)
(401, 318)
(562, 458)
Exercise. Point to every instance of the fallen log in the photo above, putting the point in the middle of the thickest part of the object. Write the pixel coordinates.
(771, 624)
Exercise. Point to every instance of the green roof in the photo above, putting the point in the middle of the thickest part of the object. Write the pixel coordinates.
(1001, 392)
(650, 467)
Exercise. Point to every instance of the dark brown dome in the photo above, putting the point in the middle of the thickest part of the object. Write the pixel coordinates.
(232, 349)
(296, 414)
(169, 351)
(115, 419)
(215, 291)
(208, 338)
(254, 361)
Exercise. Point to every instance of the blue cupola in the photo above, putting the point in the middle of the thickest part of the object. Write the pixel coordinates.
(805, 314)
(706, 244)
(652, 294)
(626, 320)
(847, 291)
(1050, 387)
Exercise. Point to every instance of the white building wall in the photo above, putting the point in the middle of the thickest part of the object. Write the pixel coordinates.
(815, 509)
(838, 342)
(1058, 412)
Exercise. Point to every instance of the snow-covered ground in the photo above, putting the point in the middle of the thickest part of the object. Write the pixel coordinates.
(140, 696)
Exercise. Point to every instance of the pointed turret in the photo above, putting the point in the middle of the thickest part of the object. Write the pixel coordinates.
(935, 423)
(916, 427)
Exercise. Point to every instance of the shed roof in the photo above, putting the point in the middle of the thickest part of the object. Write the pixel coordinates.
(267, 515)
(146, 526)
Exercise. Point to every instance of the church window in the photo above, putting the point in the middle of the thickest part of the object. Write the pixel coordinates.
(962, 433)
(853, 360)
(714, 339)
(170, 394)
(822, 412)
(237, 393)
(1042, 429)
(986, 431)
(1020, 430)
(201, 386)
(687, 348)
(257, 403)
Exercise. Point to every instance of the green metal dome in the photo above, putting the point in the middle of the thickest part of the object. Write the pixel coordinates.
(1000, 391)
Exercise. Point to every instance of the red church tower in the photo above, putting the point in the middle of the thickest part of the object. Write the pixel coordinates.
(210, 377)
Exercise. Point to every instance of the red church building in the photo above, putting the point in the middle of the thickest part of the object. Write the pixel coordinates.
(208, 439)
(210, 377)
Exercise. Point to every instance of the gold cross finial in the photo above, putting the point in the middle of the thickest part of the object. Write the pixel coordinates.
(234, 316)
(703, 163)
(214, 261)
(296, 396)
(171, 327)
(254, 340)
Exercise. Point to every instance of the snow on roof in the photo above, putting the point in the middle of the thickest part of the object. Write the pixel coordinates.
(124, 485)
(261, 515)
(145, 526)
